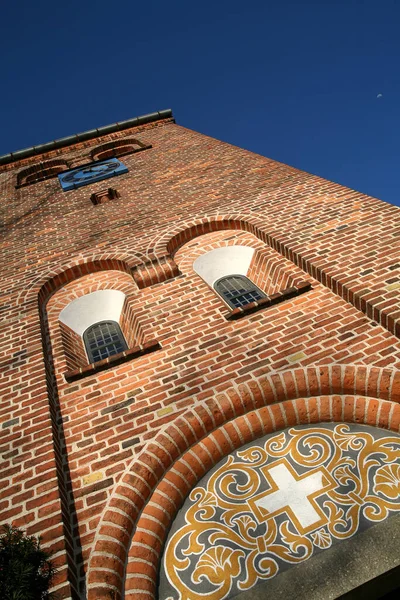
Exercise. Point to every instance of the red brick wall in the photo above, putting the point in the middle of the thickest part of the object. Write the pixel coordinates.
(272, 273)
(71, 444)
(73, 348)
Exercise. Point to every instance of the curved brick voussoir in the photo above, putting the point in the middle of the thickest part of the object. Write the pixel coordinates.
(331, 379)
(63, 272)
(176, 236)
(156, 483)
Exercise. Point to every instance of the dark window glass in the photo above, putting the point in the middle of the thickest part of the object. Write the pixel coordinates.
(103, 340)
(238, 290)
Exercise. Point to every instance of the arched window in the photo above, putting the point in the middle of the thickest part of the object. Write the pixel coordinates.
(238, 290)
(118, 148)
(103, 339)
(41, 172)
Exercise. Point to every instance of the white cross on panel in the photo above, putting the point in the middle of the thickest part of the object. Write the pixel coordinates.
(294, 494)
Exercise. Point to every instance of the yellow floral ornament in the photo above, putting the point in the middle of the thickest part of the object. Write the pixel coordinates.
(322, 539)
(387, 481)
(218, 564)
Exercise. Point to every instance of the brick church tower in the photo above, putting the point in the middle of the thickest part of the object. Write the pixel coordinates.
(199, 369)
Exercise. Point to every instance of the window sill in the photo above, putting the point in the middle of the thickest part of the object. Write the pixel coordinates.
(112, 361)
(291, 292)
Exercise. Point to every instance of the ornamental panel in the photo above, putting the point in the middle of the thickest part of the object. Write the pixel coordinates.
(276, 502)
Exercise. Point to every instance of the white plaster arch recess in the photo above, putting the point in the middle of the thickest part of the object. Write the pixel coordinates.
(231, 260)
(103, 305)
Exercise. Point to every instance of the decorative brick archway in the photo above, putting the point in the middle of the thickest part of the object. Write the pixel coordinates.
(131, 533)
(184, 231)
(166, 245)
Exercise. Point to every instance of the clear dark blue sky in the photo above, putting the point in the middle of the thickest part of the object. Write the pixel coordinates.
(293, 80)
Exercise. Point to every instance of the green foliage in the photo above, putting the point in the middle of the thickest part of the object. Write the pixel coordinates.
(25, 569)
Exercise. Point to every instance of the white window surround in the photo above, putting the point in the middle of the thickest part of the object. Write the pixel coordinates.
(230, 260)
(104, 305)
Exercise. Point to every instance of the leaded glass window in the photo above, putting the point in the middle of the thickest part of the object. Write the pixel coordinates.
(103, 339)
(238, 290)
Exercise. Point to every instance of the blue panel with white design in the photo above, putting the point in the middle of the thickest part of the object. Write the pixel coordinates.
(91, 173)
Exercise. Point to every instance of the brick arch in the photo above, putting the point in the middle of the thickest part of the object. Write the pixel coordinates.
(145, 272)
(268, 270)
(61, 273)
(162, 249)
(184, 231)
(68, 347)
(118, 147)
(93, 282)
(80, 269)
(186, 255)
(41, 171)
(134, 523)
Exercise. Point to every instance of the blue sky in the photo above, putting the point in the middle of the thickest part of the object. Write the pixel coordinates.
(293, 80)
